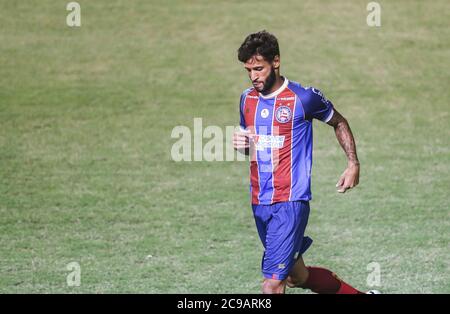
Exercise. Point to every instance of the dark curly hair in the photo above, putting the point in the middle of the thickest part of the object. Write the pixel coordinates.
(262, 43)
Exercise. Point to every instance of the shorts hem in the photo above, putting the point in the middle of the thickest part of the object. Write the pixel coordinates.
(275, 276)
(305, 199)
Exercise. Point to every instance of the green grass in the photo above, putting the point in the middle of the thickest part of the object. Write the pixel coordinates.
(86, 116)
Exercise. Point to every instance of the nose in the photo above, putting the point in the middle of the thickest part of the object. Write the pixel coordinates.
(253, 76)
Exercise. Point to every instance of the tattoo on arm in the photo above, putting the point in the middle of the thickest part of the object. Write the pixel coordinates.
(344, 136)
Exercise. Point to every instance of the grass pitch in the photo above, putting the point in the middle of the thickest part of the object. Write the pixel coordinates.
(86, 115)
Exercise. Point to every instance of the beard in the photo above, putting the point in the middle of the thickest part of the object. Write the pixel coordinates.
(270, 81)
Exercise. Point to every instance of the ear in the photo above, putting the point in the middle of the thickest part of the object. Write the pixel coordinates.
(276, 62)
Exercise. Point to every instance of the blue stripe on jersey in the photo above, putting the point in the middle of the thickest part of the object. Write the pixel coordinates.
(263, 125)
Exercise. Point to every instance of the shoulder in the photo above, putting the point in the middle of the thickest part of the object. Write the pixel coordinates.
(307, 94)
(313, 102)
(245, 93)
(248, 91)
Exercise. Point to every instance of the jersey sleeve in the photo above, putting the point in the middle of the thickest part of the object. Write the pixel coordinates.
(241, 112)
(317, 106)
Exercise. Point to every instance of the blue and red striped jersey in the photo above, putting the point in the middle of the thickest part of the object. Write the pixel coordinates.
(280, 126)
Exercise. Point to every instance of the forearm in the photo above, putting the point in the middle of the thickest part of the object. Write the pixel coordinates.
(350, 177)
(346, 140)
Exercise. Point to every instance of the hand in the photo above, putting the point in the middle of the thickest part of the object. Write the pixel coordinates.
(349, 179)
(241, 140)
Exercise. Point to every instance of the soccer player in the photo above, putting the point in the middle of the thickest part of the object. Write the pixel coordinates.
(276, 117)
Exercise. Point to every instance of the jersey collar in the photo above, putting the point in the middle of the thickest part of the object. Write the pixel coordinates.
(275, 93)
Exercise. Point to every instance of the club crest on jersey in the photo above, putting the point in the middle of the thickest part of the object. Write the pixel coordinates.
(283, 114)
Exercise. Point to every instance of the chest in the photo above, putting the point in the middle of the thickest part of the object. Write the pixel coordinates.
(272, 116)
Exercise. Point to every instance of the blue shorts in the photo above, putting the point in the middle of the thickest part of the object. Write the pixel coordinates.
(281, 227)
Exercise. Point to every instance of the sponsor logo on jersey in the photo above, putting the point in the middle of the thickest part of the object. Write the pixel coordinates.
(268, 141)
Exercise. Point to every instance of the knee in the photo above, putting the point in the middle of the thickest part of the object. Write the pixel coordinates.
(272, 286)
(295, 281)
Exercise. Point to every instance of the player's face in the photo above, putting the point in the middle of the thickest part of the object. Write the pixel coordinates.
(261, 73)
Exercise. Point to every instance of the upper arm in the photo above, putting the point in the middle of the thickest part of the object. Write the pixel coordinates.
(241, 112)
(317, 106)
(336, 119)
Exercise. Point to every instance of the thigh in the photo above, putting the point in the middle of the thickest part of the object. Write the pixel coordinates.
(262, 214)
(284, 238)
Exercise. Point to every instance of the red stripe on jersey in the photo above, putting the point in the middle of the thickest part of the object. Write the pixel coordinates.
(250, 106)
(281, 157)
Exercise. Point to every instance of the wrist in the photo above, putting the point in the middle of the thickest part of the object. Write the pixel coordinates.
(353, 163)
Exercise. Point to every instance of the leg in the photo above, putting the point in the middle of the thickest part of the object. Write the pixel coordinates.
(298, 274)
(281, 228)
(318, 280)
(273, 286)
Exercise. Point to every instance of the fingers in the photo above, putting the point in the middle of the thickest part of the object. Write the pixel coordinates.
(348, 180)
(344, 185)
(240, 145)
(241, 135)
(240, 140)
(340, 181)
(343, 189)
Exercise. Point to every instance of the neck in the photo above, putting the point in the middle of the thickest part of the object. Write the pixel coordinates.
(279, 80)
